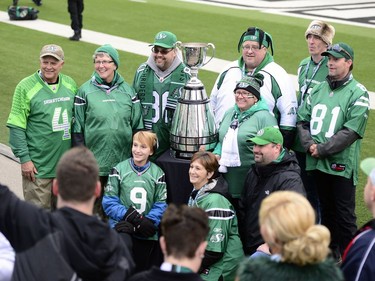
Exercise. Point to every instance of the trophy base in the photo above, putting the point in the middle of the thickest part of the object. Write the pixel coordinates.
(182, 154)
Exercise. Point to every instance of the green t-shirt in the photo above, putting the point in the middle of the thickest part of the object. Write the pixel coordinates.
(44, 114)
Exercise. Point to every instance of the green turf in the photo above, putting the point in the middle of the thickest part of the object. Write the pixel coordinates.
(190, 22)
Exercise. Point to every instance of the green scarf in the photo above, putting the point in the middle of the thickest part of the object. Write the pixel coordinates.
(146, 84)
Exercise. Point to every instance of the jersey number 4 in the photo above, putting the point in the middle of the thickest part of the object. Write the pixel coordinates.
(60, 122)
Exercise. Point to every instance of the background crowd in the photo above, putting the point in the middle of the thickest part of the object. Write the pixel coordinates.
(274, 147)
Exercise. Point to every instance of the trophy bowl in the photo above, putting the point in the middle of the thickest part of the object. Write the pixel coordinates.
(194, 55)
(193, 122)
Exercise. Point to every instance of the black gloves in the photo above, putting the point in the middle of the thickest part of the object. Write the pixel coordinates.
(124, 226)
(146, 228)
(142, 225)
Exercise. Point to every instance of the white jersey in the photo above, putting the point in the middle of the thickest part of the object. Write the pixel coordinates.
(222, 99)
(278, 91)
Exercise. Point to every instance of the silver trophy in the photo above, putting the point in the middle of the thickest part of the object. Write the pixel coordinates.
(193, 122)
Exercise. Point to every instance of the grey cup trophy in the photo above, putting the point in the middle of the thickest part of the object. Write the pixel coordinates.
(193, 121)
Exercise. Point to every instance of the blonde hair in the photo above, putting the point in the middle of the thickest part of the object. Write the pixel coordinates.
(147, 137)
(289, 220)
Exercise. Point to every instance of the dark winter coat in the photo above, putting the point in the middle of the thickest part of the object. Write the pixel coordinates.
(260, 182)
(265, 269)
(62, 245)
(359, 257)
(157, 274)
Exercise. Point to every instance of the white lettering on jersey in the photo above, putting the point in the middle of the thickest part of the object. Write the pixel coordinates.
(138, 195)
(56, 100)
(318, 115)
(156, 106)
(64, 125)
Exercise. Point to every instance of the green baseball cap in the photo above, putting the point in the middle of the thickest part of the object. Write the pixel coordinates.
(165, 39)
(268, 135)
(340, 50)
(368, 165)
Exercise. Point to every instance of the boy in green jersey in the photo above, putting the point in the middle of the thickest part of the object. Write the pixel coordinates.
(135, 200)
(39, 124)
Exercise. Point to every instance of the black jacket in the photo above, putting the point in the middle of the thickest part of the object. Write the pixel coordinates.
(359, 256)
(63, 245)
(260, 182)
(157, 274)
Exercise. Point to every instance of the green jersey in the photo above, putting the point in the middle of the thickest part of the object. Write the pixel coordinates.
(158, 92)
(223, 236)
(310, 74)
(107, 116)
(329, 111)
(44, 114)
(146, 191)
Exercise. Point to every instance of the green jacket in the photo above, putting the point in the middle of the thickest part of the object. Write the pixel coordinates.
(107, 117)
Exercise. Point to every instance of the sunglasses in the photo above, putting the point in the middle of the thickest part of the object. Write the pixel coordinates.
(337, 48)
(162, 51)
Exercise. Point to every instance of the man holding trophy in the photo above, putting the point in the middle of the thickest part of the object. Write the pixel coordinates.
(158, 82)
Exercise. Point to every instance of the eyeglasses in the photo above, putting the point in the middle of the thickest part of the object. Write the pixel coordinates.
(162, 51)
(244, 95)
(337, 48)
(103, 62)
(251, 48)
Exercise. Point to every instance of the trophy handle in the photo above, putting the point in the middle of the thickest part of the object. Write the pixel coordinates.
(178, 44)
(212, 46)
(178, 47)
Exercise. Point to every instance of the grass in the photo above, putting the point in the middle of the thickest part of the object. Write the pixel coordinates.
(190, 22)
